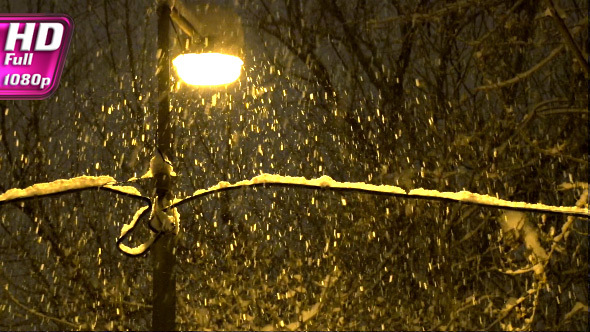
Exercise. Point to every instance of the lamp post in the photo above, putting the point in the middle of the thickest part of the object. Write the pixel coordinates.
(164, 260)
(194, 69)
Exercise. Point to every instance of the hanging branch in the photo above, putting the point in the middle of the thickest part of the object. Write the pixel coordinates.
(82, 183)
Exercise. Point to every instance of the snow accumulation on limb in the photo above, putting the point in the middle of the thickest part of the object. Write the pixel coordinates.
(68, 185)
(56, 187)
(296, 181)
(325, 182)
(142, 248)
(124, 190)
(90, 182)
(486, 200)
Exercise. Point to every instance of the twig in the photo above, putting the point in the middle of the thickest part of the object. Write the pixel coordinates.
(306, 315)
(37, 313)
(509, 308)
(567, 36)
(529, 321)
(523, 75)
(434, 15)
(579, 306)
(552, 111)
(137, 304)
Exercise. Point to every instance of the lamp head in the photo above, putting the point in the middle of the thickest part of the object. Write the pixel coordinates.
(211, 54)
(207, 68)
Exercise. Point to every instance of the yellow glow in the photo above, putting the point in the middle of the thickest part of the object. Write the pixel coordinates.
(208, 68)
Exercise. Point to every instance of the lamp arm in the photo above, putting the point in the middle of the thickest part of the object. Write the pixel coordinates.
(182, 17)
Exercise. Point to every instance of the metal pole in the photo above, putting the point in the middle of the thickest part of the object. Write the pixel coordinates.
(164, 259)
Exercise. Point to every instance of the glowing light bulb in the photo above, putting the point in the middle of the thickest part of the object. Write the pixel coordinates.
(208, 68)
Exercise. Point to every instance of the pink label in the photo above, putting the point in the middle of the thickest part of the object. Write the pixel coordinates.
(33, 50)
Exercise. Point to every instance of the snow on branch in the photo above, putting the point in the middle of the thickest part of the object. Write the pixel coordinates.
(56, 187)
(63, 186)
(491, 201)
(144, 247)
(327, 183)
(322, 183)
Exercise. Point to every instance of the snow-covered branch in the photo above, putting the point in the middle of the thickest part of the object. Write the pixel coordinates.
(107, 183)
(63, 186)
(135, 251)
(327, 183)
(323, 183)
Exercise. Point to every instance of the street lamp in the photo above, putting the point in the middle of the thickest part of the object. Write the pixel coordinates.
(205, 68)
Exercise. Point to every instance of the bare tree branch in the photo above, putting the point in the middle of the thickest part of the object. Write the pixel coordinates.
(568, 38)
(523, 75)
(40, 314)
